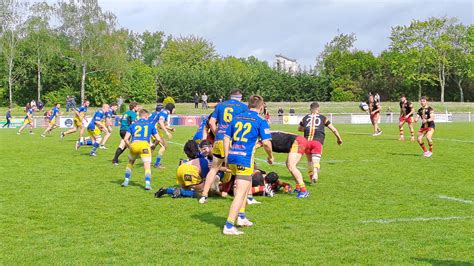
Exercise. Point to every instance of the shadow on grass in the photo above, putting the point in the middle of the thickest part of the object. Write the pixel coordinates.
(444, 262)
(405, 154)
(130, 184)
(210, 218)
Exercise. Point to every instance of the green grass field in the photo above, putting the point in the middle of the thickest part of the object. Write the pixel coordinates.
(378, 201)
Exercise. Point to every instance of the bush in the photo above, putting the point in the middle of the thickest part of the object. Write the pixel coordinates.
(340, 95)
(58, 96)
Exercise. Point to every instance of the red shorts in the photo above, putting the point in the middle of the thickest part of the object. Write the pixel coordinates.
(408, 120)
(425, 129)
(314, 147)
(299, 145)
(374, 118)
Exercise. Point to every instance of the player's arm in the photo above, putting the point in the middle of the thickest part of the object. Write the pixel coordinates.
(161, 123)
(267, 146)
(432, 116)
(379, 107)
(412, 111)
(226, 148)
(336, 133)
(101, 126)
(301, 126)
(213, 125)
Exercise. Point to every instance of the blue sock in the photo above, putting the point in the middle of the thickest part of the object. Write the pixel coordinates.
(94, 148)
(229, 225)
(242, 215)
(170, 191)
(158, 160)
(188, 193)
(89, 142)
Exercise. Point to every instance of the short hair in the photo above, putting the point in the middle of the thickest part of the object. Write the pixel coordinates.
(143, 111)
(271, 177)
(132, 105)
(255, 101)
(113, 104)
(424, 98)
(205, 143)
(169, 106)
(314, 106)
(236, 92)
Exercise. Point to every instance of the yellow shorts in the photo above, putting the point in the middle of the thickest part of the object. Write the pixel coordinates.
(52, 122)
(241, 170)
(27, 121)
(140, 149)
(94, 133)
(218, 149)
(188, 175)
(77, 122)
(226, 178)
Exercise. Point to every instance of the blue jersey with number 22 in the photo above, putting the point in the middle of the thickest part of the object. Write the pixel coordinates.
(245, 130)
(142, 130)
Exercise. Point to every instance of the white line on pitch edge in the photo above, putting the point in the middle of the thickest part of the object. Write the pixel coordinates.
(416, 219)
(390, 135)
(455, 199)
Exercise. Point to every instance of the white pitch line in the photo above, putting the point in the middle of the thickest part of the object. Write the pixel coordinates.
(416, 219)
(176, 143)
(455, 199)
(435, 138)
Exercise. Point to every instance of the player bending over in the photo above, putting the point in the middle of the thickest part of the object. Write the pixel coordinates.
(244, 132)
(406, 116)
(140, 134)
(128, 118)
(313, 127)
(426, 113)
(52, 119)
(28, 119)
(220, 120)
(80, 115)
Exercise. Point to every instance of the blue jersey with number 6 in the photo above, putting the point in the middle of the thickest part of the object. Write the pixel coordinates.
(142, 130)
(245, 130)
(224, 114)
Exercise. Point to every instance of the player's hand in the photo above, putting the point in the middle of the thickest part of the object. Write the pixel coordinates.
(424, 121)
(172, 129)
(270, 159)
(339, 141)
(372, 113)
(407, 116)
(169, 135)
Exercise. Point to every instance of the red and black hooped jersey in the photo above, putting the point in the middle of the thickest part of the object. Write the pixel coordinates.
(426, 113)
(374, 106)
(406, 108)
(314, 127)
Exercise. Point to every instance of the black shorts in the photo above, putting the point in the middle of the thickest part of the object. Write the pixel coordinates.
(122, 133)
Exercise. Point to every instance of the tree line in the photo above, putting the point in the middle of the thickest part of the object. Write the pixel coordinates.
(49, 51)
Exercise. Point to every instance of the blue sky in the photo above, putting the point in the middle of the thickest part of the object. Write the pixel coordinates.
(298, 29)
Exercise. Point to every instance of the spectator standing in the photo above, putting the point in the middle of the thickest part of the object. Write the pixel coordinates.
(68, 103)
(73, 102)
(280, 111)
(8, 116)
(204, 101)
(196, 100)
(119, 102)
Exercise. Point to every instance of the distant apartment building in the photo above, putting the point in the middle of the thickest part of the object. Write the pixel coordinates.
(286, 64)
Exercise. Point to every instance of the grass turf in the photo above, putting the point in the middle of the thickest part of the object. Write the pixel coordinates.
(61, 206)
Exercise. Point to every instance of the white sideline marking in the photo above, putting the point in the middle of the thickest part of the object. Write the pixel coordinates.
(435, 138)
(416, 219)
(176, 143)
(456, 199)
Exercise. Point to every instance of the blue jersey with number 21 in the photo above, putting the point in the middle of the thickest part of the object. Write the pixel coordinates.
(245, 130)
(224, 114)
(142, 130)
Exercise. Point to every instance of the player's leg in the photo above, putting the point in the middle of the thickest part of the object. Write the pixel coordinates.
(211, 175)
(161, 151)
(429, 138)
(120, 149)
(242, 184)
(81, 133)
(96, 138)
(412, 130)
(70, 131)
(128, 169)
(421, 134)
(400, 128)
(104, 139)
(25, 123)
(291, 164)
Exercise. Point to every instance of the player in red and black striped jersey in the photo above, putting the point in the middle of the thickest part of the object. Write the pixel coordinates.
(406, 115)
(313, 127)
(426, 113)
(374, 111)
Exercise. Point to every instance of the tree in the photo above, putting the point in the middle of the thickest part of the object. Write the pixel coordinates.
(188, 50)
(461, 56)
(12, 17)
(152, 44)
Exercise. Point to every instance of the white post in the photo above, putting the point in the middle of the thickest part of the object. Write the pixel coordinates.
(469, 116)
(331, 117)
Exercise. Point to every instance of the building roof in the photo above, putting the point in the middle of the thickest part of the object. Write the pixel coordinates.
(286, 58)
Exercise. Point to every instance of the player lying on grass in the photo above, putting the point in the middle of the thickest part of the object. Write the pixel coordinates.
(28, 119)
(128, 118)
(295, 146)
(406, 116)
(427, 115)
(137, 139)
(78, 124)
(313, 127)
(52, 119)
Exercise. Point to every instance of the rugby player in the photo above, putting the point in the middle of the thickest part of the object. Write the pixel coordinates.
(52, 119)
(128, 118)
(96, 126)
(262, 184)
(28, 119)
(161, 123)
(204, 131)
(406, 115)
(137, 139)
(108, 124)
(426, 113)
(374, 111)
(190, 174)
(219, 122)
(244, 131)
(78, 121)
(295, 146)
(313, 127)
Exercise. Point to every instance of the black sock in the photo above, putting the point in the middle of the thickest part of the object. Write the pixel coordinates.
(118, 152)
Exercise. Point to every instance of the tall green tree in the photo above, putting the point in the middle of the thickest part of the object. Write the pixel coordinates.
(189, 50)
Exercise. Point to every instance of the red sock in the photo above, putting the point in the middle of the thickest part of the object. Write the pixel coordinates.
(431, 147)
(298, 187)
(422, 145)
(303, 188)
(257, 189)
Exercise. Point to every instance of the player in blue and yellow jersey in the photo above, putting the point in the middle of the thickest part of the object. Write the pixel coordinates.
(108, 124)
(137, 139)
(52, 119)
(28, 119)
(96, 126)
(161, 123)
(127, 119)
(204, 131)
(78, 121)
(240, 142)
(220, 120)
